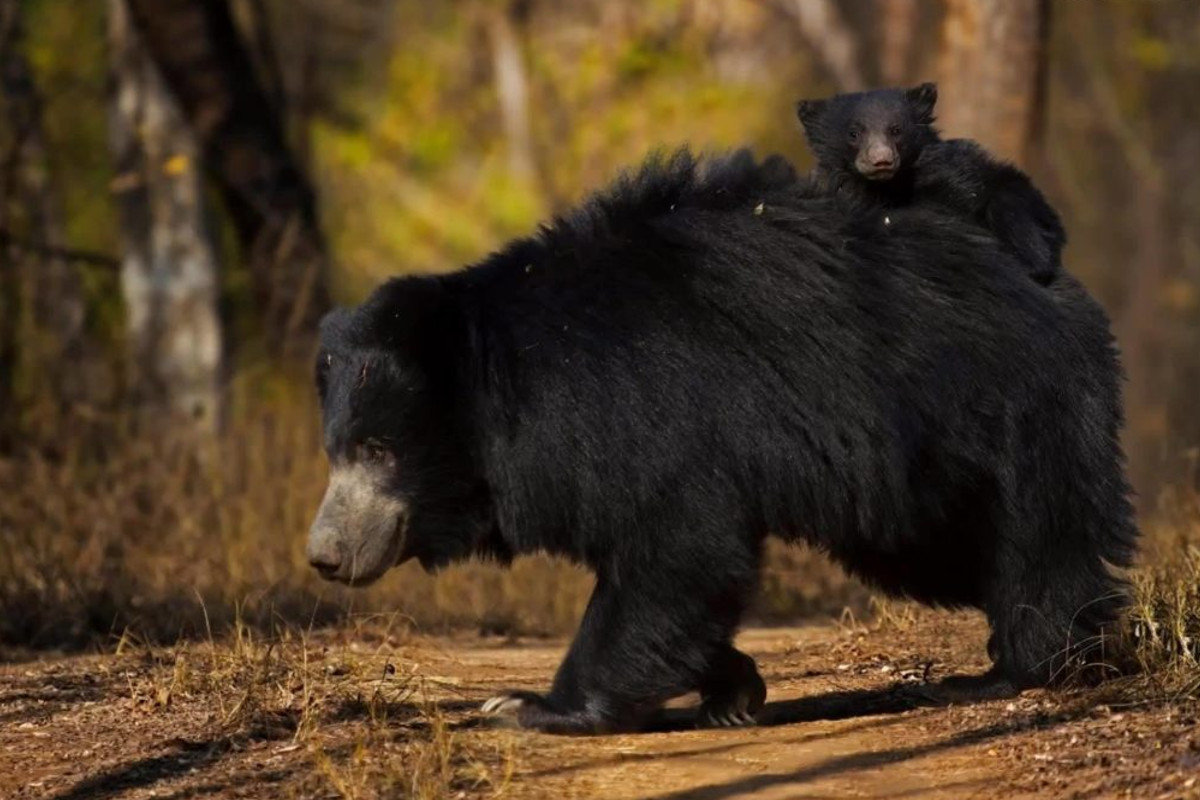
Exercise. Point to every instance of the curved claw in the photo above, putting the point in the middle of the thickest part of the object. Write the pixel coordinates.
(725, 718)
(503, 704)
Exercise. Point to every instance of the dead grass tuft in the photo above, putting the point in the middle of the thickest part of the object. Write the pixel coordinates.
(1161, 638)
(352, 702)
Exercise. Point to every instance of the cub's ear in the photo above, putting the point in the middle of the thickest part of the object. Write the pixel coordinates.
(809, 111)
(922, 99)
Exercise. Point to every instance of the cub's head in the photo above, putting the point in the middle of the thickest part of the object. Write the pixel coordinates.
(401, 479)
(875, 135)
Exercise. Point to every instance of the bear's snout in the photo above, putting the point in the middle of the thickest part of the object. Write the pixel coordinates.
(324, 554)
(360, 527)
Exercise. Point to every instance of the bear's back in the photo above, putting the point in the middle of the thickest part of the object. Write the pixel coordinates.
(721, 324)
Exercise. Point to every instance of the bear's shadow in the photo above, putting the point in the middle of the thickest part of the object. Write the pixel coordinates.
(834, 705)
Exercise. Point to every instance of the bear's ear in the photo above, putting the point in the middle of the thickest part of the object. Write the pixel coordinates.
(922, 99)
(335, 324)
(402, 311)
(809, 111)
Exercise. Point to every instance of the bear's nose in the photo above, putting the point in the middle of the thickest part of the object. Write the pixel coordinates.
(324, 556)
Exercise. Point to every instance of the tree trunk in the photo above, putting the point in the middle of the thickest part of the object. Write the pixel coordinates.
(42, 304)
(898, 19)
(207, 67)
(991, 73)
(1142, 330)
(834, 43)
(169, 268)
(512, 88)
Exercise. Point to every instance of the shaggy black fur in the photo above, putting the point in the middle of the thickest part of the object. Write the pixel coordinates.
(880, 147)
(713, 351)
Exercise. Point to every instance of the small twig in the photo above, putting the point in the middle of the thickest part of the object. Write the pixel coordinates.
(64, 253)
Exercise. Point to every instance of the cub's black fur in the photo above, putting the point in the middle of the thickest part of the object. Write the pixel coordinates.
(711, 351)
(880, 147)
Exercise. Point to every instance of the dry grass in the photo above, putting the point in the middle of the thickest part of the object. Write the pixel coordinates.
(349, 707)
(1161, 642)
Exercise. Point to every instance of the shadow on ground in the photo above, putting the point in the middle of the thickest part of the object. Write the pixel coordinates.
(886, 705)
(828, 706)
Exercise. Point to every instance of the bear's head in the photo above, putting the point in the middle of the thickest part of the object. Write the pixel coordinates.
(402, 481)
(875, 135)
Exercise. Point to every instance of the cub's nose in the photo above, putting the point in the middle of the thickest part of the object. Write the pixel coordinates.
(881, 155)
(324, 556)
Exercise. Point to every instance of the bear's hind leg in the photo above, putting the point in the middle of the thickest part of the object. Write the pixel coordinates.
(1048, 616)
(1052, 620)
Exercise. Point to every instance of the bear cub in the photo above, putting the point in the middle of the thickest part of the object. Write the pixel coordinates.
(879, 148)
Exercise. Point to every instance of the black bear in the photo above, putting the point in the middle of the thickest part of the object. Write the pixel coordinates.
(708, 352)
(881, 147)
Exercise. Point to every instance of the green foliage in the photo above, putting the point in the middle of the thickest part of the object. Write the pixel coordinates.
(426, 183)
(1150, 52)
(65, 46)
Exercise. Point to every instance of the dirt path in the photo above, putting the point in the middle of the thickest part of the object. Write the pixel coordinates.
(370, 713)
(874, 751)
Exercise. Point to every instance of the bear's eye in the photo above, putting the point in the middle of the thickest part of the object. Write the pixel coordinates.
(853, 136)
(894, 130)
(372, 451)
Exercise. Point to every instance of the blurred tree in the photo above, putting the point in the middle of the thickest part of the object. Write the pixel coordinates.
(991, 73)
(260, 36)
(41, 295)
(169, 273)
(504, 24)
(1124, 78)
(835, 44)
(898, 20)
(202, 59)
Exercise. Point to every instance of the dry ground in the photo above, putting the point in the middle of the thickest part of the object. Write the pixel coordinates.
(370, 710)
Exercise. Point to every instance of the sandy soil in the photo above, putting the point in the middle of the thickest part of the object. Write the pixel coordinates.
(366, 712)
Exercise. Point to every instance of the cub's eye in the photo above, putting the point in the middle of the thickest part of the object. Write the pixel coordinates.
(372, 451)
(853, 136)
(894, 130)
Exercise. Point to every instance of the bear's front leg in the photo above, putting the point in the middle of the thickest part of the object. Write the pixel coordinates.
(642, 642)
(732, 693)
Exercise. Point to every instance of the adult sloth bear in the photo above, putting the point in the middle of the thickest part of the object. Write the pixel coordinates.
(707, 353)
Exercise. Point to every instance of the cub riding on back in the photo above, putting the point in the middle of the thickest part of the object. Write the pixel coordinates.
(879, 149)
